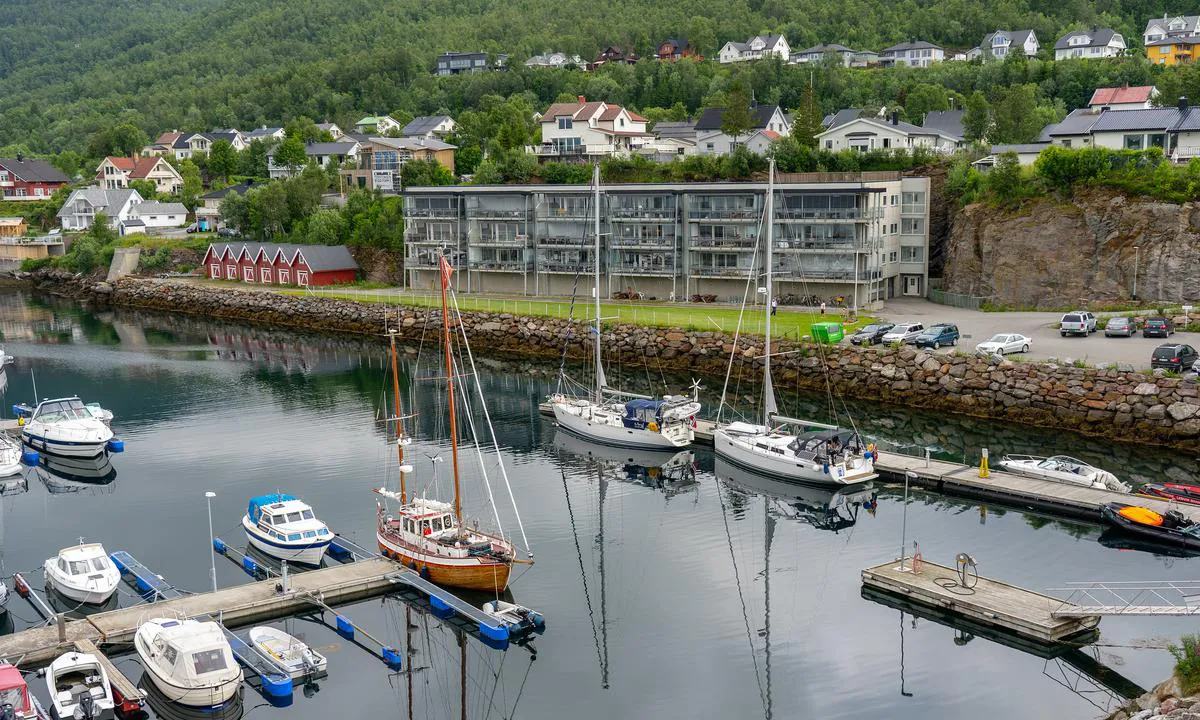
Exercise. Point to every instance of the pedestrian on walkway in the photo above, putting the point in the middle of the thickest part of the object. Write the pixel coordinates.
(822, 308)
(774, 305)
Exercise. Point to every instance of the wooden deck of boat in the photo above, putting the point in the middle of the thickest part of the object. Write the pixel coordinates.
(238, 605)
(990, 602)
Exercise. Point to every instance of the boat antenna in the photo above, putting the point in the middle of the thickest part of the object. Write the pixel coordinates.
(446, 272)
(34, 379)
(399, 422)
(600, 381)
(769, 407)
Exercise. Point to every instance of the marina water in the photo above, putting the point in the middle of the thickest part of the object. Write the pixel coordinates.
(668, 592)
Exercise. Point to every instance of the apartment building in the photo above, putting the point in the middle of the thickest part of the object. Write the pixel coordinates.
(863, 236)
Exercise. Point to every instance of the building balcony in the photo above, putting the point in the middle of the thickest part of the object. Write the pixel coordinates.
(724, 244)
(725, 215)
(7, 183)
(497, 214)
(423, 262)
(419, 239)
(919, 209)
(431, 212)
(786, 274)
(710, 271)
(622, 214)
(843, 215)
(792, 246)
(1185, 153)
(663, 243)
(520, 266)
(517, 241)
(577, 151)
(559, 212)
(661, 269)
(565, 242)
(565, 268)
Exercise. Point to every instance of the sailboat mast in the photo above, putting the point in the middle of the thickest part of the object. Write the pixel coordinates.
(769, 221)
(399, 425)
(446, 272)
(603, 594)
(596, 279)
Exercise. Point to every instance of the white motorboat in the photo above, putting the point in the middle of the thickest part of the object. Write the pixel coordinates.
(1064, 469)
(78, 687)
(83, 573)
(189, 661)
(15, 697)
(104, 416)
(289, 654)
(518, 618)
(3, 597)
(10, 456)
(285, 528)
(65, 427)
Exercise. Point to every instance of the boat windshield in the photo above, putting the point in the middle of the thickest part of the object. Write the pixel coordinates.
(14, 697)
(308, 514)
(60, 410)
(78, 567)
(100, 563)
(207, 661)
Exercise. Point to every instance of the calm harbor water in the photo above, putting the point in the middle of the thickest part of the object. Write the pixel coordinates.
(676, 591)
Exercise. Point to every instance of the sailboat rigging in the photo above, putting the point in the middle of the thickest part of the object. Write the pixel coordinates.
(625, 420)
(823, 454)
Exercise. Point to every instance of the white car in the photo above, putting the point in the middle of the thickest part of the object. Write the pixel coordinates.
(1004, 344)
(903, 332)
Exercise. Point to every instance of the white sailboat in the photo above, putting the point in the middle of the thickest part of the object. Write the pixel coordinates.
(624, 419)
(823, 454)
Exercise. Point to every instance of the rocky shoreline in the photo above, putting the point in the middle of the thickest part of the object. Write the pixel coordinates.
(1102, 402)
(1164, 702)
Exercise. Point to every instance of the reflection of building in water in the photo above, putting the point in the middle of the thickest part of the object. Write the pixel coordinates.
(289, 356)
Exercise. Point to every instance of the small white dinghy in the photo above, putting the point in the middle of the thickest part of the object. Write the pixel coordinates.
(518, 618)
(78, 687)
(1064, 469)
(94, 409)
(289, 654)
(83, 573)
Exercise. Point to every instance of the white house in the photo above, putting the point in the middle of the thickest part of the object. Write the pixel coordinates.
(1027, 154)
(430, 127)
(1136, 129)
(556, 60)
(264, 133)
(913, 54)
(115, 173)
(376, 125)
(190, 144)
(81, 208)
(1138, 97)
(322, 153)
(865, 134)
(160, 215)
(759, 46)
(334, 131)
(1165, 27)
(590, 129)
(818, 52)
(998, 45)
(1094, 43)
(711, 140)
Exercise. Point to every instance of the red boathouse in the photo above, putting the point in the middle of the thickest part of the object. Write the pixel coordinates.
(275, 264)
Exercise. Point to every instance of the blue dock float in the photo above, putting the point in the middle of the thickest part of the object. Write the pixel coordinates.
(446, 603)
(345, 550)
(149, 584)
(273, 684)
(249, 565)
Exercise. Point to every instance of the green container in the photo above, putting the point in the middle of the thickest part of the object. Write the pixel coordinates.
(828, 333)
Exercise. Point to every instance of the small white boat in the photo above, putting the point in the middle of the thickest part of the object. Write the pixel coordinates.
(518, 618)
(1061, 468)
(285, 528)
(3, 597)
(10, 456)
(65, 427)
(289, 654)
(189, 661)
(83, 573)
(14, 693)
(78, 688)
(104, 416)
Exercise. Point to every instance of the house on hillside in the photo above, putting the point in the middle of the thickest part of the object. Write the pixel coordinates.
(376, 125)
(430, 127)
(582, 130)
(1027, 154)
(208, 213)
(334, 131)
(1072, 131)
(613, 54)
(191, 144)
(163, 145)
(841, 117)
(818, 52)
(80, 210)
(672, 140)
(759, 46)
(13, 227)
(116, 173)
(380, 160)
(160, 215)
(456, 63)
(1094, 43)
(264, 133)
(673, 49)
(711, 140)
(322, 153)
(949, 122)
(23, 178)
(556, 60)
(1172, 40)
(917, 53)
(1000, 44)
(274, 264)
(865, 134)
(1139, 97)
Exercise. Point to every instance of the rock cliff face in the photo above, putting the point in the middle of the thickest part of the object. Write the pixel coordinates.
(1051, 254)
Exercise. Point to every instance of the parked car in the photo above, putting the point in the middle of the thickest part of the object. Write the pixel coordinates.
(227, 232)
(938, 335)
(194, 227)
(871, 334)
(1077, 322)
(1120, 326)
(1158, 327)
(1196, 367)
(1004, 344)
(903, 332)
(1174, 356)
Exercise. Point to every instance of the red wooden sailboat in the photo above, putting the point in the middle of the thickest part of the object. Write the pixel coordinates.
(427, 535)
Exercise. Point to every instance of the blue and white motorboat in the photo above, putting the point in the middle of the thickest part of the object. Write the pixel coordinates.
(285, 528)
(65, 427)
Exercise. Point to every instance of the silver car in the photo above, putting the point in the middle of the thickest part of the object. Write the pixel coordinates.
(1120, 326)
(903, 332)
(1004, 344)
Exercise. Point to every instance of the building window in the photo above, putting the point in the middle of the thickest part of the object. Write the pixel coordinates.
(892, 256)
(1134, 142)
(909, 253)
(912, 226)
(214, 271)
(565, 123)
(301, 277)
(1158, 140)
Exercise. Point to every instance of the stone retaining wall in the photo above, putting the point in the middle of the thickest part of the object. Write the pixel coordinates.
(1114, 403)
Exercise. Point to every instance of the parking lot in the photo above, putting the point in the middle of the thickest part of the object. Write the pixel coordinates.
(977, 327)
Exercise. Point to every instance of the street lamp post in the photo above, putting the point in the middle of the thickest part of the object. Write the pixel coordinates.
(1136, 253)
(908, 475)
(208, 496)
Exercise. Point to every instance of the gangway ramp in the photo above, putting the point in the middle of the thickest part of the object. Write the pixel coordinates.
(149, 584)
(1130, 598)
(444, 601)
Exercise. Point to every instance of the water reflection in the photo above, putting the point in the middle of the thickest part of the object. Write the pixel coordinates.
(164, 709)
(75, 609)
(824, 507)
(88, 476)
(671, 471)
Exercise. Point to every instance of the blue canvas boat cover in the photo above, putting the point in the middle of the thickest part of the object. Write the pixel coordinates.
(642, 408)
(254, 509)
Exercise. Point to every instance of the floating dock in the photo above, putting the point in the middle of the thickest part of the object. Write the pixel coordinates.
(989, 602)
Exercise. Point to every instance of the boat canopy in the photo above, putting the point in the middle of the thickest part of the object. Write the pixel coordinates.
(13, 690)
(817, 439)
(256, 505)
(645, 410)
(203, 646)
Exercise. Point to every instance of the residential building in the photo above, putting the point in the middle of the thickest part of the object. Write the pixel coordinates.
(1139, 97)
(841, 117)
(380, 160)
(376, 125)
(208, 212)
(865, 58)
(430, 127)
(335, 132)
(673, 49)
(712, 140)
(818, 52)
(276, 264)
(949, 122)
(322, 153)
(191, 144)
(864, 236)
(23, 178)
(757, 47)
(917, 53)
(1000, 44)
(161, 215)
(115, 173)
(613, 54)
(1174, 50)
(15, 250)
(456, 63)
(1094, 43)
(1166, 27)
(265, 134)
(80, 210)
(1174, 129)
(163, 145)
(555, 60)
(584, 130)
(866, 134)
(1074, 130)
(13, 227)
(1026, 153)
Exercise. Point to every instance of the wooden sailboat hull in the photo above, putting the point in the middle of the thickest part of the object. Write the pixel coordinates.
(474, 573)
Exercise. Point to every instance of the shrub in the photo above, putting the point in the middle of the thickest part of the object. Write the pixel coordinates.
(36, 264)
(1187, 663)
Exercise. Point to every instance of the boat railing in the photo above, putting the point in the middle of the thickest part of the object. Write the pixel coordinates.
(1018, 457)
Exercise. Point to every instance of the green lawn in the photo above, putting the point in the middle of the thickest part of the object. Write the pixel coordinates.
(786, 323)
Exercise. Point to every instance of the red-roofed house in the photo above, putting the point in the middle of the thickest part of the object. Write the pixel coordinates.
(583, 130)
(115, 173)
(1139, 97)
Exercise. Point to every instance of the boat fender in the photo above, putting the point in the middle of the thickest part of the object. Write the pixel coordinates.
(825, 468)
(277, 686)
(344, 627)
(30, 457)
(424, 573)
(392, 659)
(652, 426)
(249, 566)
(219, 545)
(116, 445)
(494, 632)
(21, 421)
(412, 564)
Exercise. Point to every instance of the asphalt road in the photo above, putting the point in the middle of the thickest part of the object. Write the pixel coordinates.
(977, 327)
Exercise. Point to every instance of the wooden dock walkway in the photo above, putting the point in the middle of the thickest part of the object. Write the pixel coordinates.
(238, 605)
(990, 602)
(116, 678)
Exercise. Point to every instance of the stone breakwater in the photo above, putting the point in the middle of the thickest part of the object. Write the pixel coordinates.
(1103, 402)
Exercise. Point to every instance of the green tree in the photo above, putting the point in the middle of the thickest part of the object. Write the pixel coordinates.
(148, 189)
(737, 120)
(808, 119)
(267, 211)
(290, 154)
(305, 129)
(977, 117)
(235, 212)
(1004, 180)
(420, 173)
(253, 160)
(325, 227)
(68, 161)
(222, 160)
(192, 187)
(1015, 119)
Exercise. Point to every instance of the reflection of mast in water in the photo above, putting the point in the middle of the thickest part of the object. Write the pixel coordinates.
(769, 534)
(603, 595)
(601, 654)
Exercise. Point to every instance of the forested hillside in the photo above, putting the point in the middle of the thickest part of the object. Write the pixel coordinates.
(71, 68)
